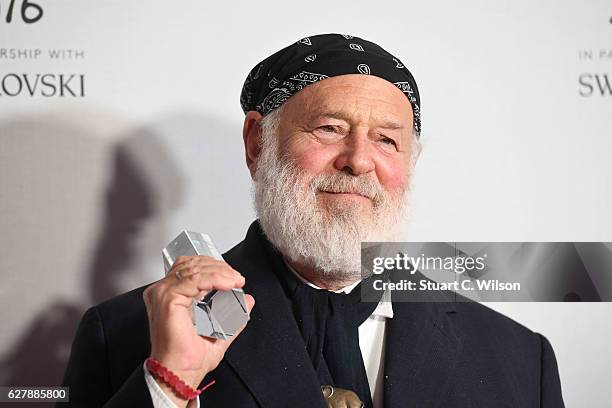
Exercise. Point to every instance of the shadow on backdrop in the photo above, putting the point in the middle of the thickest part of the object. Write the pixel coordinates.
(145, 185)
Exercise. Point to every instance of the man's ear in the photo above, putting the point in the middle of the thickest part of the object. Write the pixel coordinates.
(251, 134)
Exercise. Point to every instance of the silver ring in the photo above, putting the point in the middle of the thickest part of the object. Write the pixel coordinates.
(178, 275)
(331, 388)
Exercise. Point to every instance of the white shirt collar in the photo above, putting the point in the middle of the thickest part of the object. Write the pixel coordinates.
(383, 309)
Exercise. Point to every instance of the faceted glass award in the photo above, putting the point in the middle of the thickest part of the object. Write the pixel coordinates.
(220, 314)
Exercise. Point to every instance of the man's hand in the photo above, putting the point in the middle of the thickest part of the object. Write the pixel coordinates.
(174, 342)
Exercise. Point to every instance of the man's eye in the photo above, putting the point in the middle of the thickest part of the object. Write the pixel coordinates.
(328, 129)
(388, 140)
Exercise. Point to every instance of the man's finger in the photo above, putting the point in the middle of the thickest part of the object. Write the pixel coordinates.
(182, 260)
(190, 268)
(250, 302)
(196, 283)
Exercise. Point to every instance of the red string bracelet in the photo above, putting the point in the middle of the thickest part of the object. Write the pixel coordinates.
(162, 373)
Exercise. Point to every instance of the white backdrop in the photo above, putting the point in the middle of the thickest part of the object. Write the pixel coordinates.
(516, 129)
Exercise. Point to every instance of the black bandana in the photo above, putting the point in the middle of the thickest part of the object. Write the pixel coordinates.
(274, 80)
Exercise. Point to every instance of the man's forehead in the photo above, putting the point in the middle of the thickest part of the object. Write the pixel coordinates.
(385, 120)
(354, 98)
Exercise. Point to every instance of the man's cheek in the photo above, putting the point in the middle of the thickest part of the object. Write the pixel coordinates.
(313, 157)
(312, 164)
(392, 176)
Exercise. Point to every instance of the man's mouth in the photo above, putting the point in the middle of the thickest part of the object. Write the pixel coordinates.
(346, 194)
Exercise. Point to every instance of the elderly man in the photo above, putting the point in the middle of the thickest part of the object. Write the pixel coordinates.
(331, 137)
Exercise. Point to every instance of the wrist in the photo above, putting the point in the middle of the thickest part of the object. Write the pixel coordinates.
(174, 386)
(190, 374)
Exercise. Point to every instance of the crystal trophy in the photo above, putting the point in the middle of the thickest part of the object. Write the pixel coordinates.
(219, 314)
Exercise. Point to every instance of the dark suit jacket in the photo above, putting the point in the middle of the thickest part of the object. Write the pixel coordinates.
(436, 354)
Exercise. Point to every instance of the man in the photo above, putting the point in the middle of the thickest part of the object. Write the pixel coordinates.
(331, 138)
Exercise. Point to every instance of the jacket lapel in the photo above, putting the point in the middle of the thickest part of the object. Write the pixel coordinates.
(421, 351)
(271, 346)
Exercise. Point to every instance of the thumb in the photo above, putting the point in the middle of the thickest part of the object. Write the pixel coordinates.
(250, 301)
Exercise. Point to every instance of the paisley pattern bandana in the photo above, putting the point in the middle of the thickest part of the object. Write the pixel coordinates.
(274, 80)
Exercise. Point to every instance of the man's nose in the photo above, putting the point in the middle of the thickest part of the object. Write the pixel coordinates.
(355, 157)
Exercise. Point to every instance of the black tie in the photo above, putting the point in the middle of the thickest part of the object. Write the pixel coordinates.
(329, 324)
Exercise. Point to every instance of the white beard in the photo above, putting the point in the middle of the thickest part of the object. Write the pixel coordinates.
(325, 237)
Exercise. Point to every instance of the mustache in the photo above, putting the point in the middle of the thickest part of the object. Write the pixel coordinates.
(343, 183)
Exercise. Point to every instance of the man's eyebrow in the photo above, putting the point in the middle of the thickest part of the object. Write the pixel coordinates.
(390, 124)
(383, 123)
(330, 115)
